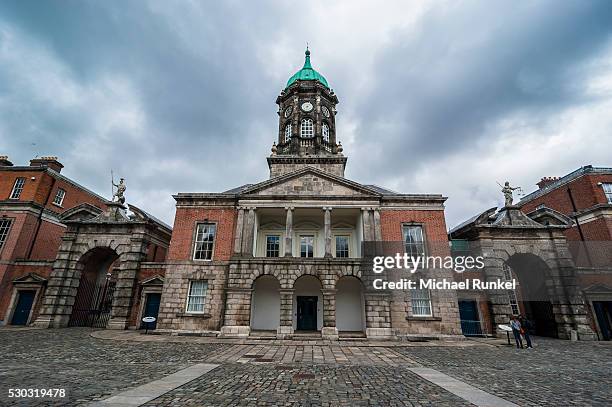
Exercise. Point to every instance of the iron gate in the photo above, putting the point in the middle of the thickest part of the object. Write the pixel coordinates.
(93, 303)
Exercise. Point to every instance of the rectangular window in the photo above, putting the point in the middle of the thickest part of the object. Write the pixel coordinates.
(421, 303)
(204, 241)
(513, 302)
(5, 226)
(272, 246)
(59, 197)
(17, 188)
(607, 187)
(414, 242)
(306, 246)
(342, 246)
(197, 296)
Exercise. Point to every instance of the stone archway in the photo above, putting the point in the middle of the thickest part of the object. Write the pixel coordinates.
(350, 309)
(94, 296)
(307, 304)
(265, 304)
(91, 243)
(533, 296)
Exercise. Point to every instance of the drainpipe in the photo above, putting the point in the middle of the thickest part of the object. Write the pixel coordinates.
(40, 215)
(575, 209)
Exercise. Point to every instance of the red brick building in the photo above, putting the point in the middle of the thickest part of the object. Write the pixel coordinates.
(585, 196)
(32, 198)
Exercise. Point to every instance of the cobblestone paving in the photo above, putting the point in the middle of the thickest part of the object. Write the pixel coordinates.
(310, 385)
(90, 368)
(554, 373)
(334, 354)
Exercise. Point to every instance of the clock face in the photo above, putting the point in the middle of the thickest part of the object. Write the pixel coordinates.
(325, 111)
(288, 111)
(307, 106)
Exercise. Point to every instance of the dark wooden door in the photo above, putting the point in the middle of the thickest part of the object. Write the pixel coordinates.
(307, 313)
(603, 312)
(151, 309)
(470, 320)
(24, 306)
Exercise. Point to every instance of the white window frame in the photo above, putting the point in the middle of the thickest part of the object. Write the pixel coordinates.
(512, 299)
(307, 128)
(61, 194)
(420, 302)
(412, 248)
(325, 132)
(199, 306)
(197, 241)
(314, 244)
(5, 229)
(348, 245)
(268, 235)
(607, 188)
(288, 131)
(18, 188)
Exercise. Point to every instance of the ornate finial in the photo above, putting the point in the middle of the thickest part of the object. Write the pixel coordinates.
(274, 149)
(307, 59)
(340, 149)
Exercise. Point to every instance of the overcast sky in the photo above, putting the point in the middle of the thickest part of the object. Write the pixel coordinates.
(435, 97)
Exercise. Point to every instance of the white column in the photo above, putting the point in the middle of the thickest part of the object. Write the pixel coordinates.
(289, 232)
(328, 234)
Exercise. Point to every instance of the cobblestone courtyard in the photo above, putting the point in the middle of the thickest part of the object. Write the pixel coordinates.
(301, 374)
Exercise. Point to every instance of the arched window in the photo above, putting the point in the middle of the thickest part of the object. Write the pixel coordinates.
(325, 132)
(307, 129)
(288, 133)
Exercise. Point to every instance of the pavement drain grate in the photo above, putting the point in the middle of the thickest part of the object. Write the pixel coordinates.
(252, 356)
(280, 367)
(302, 376)
(264, 360)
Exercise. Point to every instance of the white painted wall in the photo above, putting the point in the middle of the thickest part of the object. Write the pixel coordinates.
(308, 286)
(350, 311)
(265, 304)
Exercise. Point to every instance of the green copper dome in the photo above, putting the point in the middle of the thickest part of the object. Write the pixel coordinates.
(307, 73)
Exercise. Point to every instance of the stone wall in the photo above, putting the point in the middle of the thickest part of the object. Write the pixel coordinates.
(173, 315)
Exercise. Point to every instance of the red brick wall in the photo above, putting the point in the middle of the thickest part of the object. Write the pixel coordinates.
(585, 191)
(433, 222)
(37, 190)
(6, 286)
(48, 241)
(183, 232)
(30, 188)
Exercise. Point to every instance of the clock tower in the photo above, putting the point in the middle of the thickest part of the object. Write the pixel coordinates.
(307, 125)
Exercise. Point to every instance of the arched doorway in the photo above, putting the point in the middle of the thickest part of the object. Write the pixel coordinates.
(532, 296)
(307, 304)
(265, 304)
(350, 312)
(94, 299)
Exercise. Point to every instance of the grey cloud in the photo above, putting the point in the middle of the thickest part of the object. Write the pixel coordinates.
(207, 100)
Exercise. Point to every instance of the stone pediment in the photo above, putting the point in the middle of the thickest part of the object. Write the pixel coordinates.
(310, 181)
(513, 216)
(30, 278)
(153, 281)
(80, 212)
(547, 216)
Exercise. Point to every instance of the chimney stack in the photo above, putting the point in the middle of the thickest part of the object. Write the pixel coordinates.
(4, 161)
(546, 181)
(47, 161)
